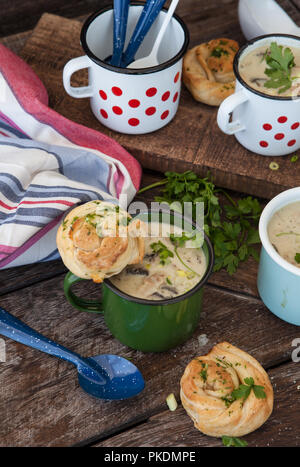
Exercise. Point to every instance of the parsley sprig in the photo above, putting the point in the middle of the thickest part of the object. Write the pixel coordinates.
(163, 252)
(243, 392)
(232, 229)
(229, 441)
(280, 62)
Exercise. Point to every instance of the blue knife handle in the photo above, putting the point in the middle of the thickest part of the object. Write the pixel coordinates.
(121, 8)
(148, 16)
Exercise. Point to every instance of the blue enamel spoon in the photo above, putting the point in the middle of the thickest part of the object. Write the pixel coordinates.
(104, 376)
(149, 14)
(121, 8)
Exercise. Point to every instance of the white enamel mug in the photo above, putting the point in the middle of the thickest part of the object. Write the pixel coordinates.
(132, 101)
(264, 124)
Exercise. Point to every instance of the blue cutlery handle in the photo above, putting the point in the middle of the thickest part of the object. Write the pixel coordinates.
(147, 18)
(12, 327)
(121, 8)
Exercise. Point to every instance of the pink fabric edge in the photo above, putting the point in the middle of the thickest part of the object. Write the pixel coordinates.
(32, 96)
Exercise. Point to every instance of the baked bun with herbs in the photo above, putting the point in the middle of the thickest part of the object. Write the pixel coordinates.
(226, 392)
(98, 239)
(208, 70)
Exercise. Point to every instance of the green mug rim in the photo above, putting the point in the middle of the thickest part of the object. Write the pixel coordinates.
(169, 301)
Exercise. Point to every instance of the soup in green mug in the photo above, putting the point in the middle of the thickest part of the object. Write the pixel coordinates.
(151, 324)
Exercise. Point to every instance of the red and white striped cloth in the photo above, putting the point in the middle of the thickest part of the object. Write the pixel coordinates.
(47, 165)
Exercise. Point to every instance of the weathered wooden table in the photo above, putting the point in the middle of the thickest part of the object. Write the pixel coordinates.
(41, 403)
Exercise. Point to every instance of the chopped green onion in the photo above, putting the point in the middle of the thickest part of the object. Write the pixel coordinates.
(171, 402)
(274, 166)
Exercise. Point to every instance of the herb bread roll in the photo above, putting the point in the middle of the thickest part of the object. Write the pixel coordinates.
(226, 392)
(208, 70)
(98, 239)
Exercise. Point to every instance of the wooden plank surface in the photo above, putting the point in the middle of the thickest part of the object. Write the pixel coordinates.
(176, 428)
(20, 15)
(201, 145)
(42, 392)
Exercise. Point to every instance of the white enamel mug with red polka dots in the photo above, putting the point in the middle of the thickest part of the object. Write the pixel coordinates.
(264, 124)
(132, 101)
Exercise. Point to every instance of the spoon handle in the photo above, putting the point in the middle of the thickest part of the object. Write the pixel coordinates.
(164, 26)
(12, 327)
(146, 19)
(121, 8)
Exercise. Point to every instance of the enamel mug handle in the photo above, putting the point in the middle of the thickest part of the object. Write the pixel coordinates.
(226, 108)
(74, 65)
(92, 306)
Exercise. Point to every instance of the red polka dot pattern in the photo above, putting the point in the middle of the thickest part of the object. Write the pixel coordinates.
(117, 110)
(150, 111)
(164, 114)
(151, 92)
(104, 113)
(165, 96)
(279, 136)
(292, 142)
(263, 144)
(134, 103)
(295, 126)
(282, 119)
(267, 126)
(133, 121)
(103, 95)
(145, 108)
(117, 91)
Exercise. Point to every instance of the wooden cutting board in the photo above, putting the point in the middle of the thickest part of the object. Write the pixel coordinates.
(191, 141)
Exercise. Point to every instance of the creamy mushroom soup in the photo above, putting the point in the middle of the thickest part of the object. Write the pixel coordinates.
(171, 267)
(252, 69)
(284, 232)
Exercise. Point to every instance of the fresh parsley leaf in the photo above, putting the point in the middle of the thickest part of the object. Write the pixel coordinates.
(259, 391)
(249, 381)
(297, 258)
(232, 229)
(203, 374)
(163, 251)
(280, 62)
(229, 441)
(243, 391)
(181, 240)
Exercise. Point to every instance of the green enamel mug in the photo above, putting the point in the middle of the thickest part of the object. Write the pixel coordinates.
(148, 325)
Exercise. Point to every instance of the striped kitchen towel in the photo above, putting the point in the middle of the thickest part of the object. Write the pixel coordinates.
(48, 164)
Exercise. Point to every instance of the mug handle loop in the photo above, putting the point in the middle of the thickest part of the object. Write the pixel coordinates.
(226, 108)
(73, 65)
(92, 306)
